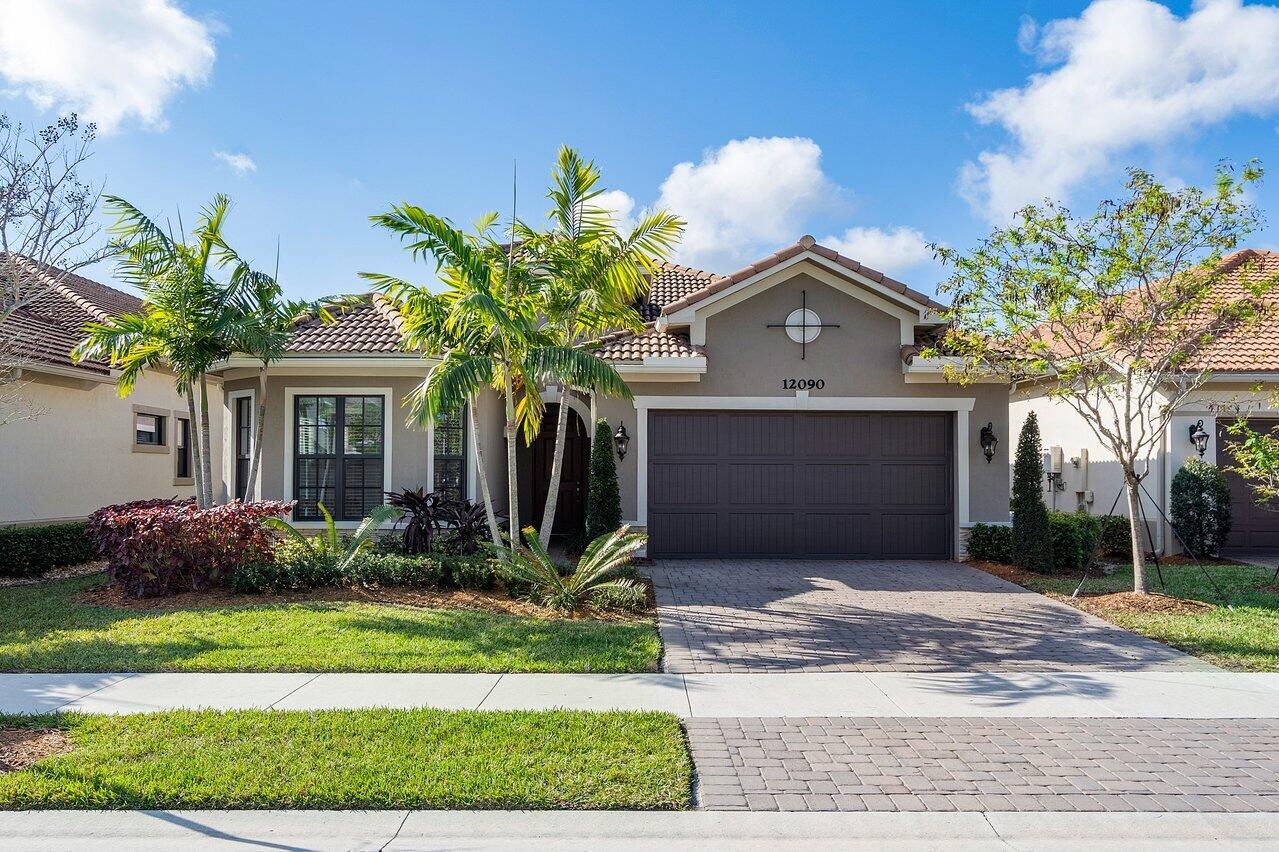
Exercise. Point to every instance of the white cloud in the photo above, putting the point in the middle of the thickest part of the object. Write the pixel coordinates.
(746, 198)
(889, 251)
(1129, 74)
(620, 205)
(241, 163)
(107, 61)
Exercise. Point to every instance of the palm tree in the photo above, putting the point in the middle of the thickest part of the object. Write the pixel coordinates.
(188, 319)
(591, 277)
(266, 324)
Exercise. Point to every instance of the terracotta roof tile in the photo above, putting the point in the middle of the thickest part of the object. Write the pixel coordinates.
(28, 336)
(371, 326)
(669, 283)
(650, 343)
(1256, 347)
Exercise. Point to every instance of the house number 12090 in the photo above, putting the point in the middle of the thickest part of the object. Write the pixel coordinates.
(803, 384)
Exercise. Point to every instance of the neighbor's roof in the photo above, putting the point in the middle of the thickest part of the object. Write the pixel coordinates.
(47, 328)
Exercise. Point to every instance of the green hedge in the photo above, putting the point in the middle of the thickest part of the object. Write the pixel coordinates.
(991, 542)
(28, 551)
(1074, 535)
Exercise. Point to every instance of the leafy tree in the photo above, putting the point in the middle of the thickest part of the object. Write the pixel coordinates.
(1256, 456)
(1032, 536)
(1200, 507)
(589, 277)
(188, 320)
(603, 497)
(1113, 313)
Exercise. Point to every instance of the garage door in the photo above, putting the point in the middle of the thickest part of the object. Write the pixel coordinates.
(1252, 527)
(828, 484)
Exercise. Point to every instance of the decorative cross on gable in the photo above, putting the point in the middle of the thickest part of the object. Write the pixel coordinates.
(803, 325)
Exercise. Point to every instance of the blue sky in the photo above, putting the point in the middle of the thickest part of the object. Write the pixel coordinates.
(875, 127)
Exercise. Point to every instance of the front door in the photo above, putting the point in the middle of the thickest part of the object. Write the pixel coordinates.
(1253, 526)
(571, 505)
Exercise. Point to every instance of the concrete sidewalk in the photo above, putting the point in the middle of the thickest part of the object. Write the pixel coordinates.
(1163, 694)
(32, 831)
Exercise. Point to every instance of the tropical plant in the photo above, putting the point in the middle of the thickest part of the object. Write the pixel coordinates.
(465, 520)
(189, 321)
(421, 508)
(531, 567)
(589, 278)
(330, 545)
(1199, 503)
(1256, 457)
(1112, 313)
(1032, 537)
(603, 497)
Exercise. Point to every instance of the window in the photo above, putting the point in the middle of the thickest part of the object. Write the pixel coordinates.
(148, 429)
(182, 445)
(243, 443)
(338, 455)
(450, 455)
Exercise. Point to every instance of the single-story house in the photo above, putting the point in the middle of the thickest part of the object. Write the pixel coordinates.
(779, 411)
(1243, 380)
(71, 444)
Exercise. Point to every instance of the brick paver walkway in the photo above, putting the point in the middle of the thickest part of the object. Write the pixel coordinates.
(744, 615)
(904, 764)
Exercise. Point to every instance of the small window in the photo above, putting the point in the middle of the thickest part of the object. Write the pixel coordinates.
(182, 440)
(450, 454)
(148, 430)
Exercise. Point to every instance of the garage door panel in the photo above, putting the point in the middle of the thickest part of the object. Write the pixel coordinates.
(1254, 526)
(832, 484)
(686, 533)
(764, 434)
(685, 484)
(761, 484)
(759, 533)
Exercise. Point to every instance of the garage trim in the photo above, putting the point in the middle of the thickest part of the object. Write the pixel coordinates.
(801, 401)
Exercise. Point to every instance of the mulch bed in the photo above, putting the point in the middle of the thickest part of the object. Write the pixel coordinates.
(63, 573)
(1096, 602)
(21, 747)
(113, 597)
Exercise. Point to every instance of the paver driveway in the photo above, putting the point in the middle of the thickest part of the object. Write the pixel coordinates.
(739, 615)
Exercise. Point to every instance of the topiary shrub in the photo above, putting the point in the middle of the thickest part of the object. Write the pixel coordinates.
(1200, 503)
(991, 542)
(29, 551)
(1032, 538)
(603, 498)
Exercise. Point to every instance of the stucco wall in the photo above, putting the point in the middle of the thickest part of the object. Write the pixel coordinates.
(77, 454)
(860, 359)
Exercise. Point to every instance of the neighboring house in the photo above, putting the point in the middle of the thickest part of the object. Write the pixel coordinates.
(80, 446)
(778, 411)
(1244, 380)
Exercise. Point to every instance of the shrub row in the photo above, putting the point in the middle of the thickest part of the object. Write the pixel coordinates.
(28, 551)
(162, 547)
(1073, 536)
(296, 567)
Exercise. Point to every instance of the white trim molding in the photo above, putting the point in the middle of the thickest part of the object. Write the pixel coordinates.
(388, 428)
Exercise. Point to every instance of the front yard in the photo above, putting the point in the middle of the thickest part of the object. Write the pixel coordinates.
(45, 628)
(353, 759)
(1188, 615)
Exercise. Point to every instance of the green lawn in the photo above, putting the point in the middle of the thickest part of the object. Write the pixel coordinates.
(358, 759)
(42, 628)
(1245, 637)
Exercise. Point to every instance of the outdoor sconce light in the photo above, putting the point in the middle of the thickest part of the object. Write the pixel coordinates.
(622, 441)
(1199, 438)
(988, 441)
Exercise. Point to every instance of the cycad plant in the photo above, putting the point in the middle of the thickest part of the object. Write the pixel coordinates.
(532, 566)
(330, 545)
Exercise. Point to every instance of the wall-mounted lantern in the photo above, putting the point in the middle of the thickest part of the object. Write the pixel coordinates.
(1199, 438)
(988, 441)
(622, 441)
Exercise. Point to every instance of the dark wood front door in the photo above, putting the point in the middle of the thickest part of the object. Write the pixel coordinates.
(1253, 526)
(571, 506)
(844, 485)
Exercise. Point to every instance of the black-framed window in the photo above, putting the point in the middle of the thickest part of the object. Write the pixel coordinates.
(339, 451)
(182, 456)
(450, 454)
(243, 443)
(148, 429)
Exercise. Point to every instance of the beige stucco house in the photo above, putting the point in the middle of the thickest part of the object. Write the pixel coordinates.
(1244, 380)
(76, 445)
(778, 411)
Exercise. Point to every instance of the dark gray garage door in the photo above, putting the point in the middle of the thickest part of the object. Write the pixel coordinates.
(1253, 526)
(828, 484)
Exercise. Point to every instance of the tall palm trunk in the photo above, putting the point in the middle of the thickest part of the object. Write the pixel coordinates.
(477, 451)
(206, 462)
(512, 484)
(557, 468)
(251, 485)
(1135, 524)
(194, 442)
